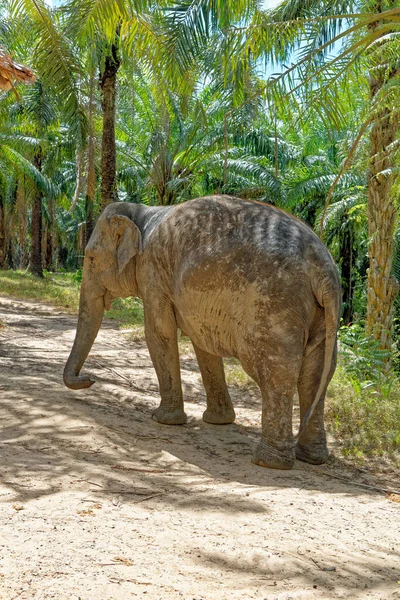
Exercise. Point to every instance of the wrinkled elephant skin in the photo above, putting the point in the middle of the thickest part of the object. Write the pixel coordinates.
(241, 279)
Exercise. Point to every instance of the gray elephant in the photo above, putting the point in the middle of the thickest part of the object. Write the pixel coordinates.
(241, 279)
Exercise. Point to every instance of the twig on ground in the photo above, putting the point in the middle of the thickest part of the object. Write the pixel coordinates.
(315, 563)
(91, 482)
(130, 383)
(122, 468)
(148, 497)
(154, 437)
(364, 485)
(133, 492)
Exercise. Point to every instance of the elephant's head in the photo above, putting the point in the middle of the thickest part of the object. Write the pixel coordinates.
(108, 273)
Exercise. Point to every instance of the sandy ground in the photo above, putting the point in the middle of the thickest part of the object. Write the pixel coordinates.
(97, 501)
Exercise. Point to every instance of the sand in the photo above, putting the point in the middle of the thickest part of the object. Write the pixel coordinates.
(97, 501)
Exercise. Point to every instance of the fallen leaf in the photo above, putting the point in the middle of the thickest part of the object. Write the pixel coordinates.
(393, 497)
(125, 561)
(85, 513)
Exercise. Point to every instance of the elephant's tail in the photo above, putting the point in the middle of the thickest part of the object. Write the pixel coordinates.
(329, 297)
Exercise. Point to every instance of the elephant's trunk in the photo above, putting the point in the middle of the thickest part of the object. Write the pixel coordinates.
(90, 317)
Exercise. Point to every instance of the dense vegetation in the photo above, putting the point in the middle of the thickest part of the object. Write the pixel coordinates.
(159, 102)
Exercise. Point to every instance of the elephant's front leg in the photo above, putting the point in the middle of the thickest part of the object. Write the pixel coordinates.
(162, 341)
(219, 406)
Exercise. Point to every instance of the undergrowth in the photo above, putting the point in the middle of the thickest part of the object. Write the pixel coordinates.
(363, 401)
(365, 421)
(236, 375)
(62, 290)
(59, 290)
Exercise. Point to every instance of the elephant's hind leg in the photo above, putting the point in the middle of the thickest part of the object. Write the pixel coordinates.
(311, 446)
(278, 385)
(219, 406)
(162, 341)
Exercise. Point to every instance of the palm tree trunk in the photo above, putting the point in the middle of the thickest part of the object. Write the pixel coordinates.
(10, 264)
(22, 223)
(3, 245)
(346, 254)
(48, 248)
(91, 172)
(108, 81)
(382, 286)
(35, 265)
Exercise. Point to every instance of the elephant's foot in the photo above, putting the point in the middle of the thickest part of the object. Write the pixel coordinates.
(174, 417)
(266, 455)
(315, 454)
(221, 417)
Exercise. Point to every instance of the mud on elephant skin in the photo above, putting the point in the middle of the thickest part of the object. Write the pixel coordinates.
(241, 279)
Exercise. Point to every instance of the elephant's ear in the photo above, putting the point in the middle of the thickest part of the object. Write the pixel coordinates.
(128, 240)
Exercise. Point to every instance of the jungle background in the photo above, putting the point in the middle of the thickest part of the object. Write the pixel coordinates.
(295, 104)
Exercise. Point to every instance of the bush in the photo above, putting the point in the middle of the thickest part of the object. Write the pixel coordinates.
(364, 362)
(129, 311)
(363, 407)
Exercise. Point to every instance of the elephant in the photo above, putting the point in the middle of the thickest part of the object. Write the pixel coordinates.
(241, 279)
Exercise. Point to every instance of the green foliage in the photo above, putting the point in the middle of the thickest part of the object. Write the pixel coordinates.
(365, 420)
(62, 290)
(59, 290)
(364, 361)
(128, 311)
(77, 276)
(363, 404)
(236, 376)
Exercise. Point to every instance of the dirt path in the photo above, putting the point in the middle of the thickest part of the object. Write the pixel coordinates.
(99, 502)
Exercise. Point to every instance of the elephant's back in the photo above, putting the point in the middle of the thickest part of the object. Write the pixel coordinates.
(228, 228)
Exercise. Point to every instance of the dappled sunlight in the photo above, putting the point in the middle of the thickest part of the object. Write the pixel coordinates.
(94, 465)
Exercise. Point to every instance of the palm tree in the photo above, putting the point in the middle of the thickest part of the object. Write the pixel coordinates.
(37, 113)
(10, 73)
(113, 29)
(370, 46)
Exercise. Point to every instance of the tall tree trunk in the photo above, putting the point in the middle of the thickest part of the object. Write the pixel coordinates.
(35, 265)
(3, 245)
(108, 86)
(48, 248)
(22, 223)
(346, 253)
(10, 258)
(382, 286)
(53, 232)
(91, 171)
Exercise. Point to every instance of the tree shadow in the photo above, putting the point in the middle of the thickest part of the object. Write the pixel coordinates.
(103, 443)
(50, 432)
(338, 574)
(38, 407)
